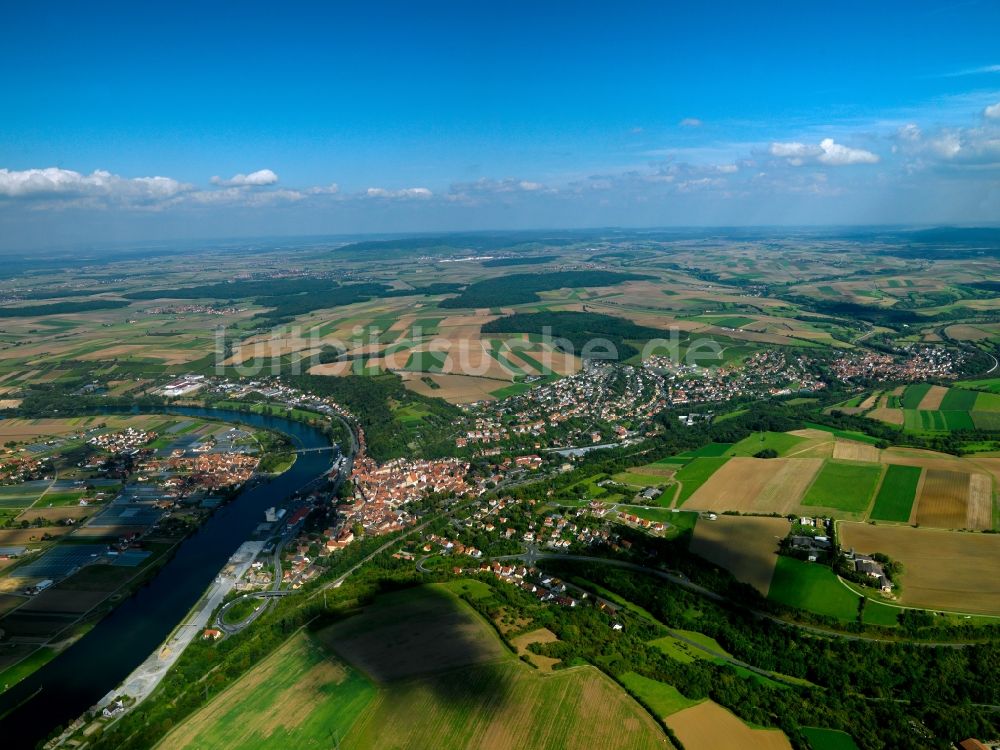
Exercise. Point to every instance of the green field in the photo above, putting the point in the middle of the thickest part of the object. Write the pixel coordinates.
(662, 699)
(815, 588)
(514, 389)
(914, 394)
(845, 434)
(712, 449)
(696, 473)
(987, 384)
(781, 442)
(324, 695)
(425, 361)
(828, 739)
(895, 497)
(958, 400)
(844, 485)
(924, 420)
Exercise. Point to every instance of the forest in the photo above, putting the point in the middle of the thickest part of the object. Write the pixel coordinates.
(522, 288)
(577, 329)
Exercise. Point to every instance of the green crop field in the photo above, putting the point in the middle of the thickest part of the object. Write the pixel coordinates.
(987, 384)
(781, 442)
(989, 402)
(426, 361)
(828, 739)
(914, 394)
(297, 697)
(958, 400)
(895, 497)
(712, 449)
(844, 485)
(696, 473)
(662, 699)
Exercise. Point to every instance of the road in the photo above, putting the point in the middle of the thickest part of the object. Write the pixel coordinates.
(147, 675)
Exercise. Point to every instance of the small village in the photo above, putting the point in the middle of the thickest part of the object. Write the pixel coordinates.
(914, 364)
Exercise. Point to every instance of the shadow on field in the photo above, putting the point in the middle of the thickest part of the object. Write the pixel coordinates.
(430, 640)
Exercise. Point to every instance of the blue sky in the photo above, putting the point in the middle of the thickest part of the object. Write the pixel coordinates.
(397, 116)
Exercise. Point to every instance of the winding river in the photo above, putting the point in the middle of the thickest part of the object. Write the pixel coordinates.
(81, 675)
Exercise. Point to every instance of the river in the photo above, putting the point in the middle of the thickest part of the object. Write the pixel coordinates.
(81, 675)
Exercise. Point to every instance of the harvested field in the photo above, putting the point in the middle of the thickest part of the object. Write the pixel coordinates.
(736, 485)
(9, 602)
(941, 569)
(709, 726)
(812, 434)
(944, 499)
(15, 537)
(542, 635)
(933, 398)
(746, 546)
(849, 450)
(889, 416)
(979, 513)
(500, 706)
(456, 389)
(784, 492)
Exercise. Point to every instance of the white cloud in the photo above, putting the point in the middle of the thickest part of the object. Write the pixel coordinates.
(53, 182)
(417, 192)
(690, 122)
(992, 112)
(837, 155)
(260, 178)
(828, 152)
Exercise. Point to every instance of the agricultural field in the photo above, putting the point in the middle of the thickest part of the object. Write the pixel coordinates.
(708, 726)
(303, 696)
(896, 494)
(930, 409)
(663, 700)
(845, 486)
(746, 546)
(941, 569)
(695, 473)
(299, 696)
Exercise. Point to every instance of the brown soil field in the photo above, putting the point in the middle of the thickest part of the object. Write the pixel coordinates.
(943, 499)
(746, 546)
(26, 429)
(9, 602)
(966, 333)
(979, 513)
(68, 602)
(812, 434)
(16, 537)
(889, 416)
(458, 389)
(784, 492)
(708, 726)
(851, 451)
(941, 569)
(870, 401)
(542, 635)
(736, 485)
(933, 398)
(75, 512)
(926, 459)
(756, 485)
